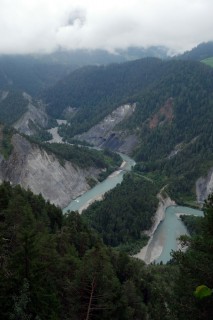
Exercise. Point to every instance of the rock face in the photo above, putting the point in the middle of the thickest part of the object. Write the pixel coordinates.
(34, 168)
(104, 134)
(204, 186)
(35, 116)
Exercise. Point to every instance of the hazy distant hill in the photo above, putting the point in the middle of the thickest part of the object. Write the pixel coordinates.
(27, 74)
(79, 58)
(34, 73)
(201, 52)
(95, 87)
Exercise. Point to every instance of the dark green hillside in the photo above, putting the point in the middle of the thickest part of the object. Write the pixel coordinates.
(96, 91)
(27, 74)
(196, 269)
(6, 146)
(125, 213)
(202, 51)
(174, 121)
(12, 106)
(208, 61)
(173, 117)
(54, 267)
(177, 109)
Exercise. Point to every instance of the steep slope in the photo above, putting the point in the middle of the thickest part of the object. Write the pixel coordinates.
(20, 110)
(33, 167)
(25, 73)
(50, 262)
(105, 135)
(94, 89)
(34, 119)
(13, 105)
(172, 121)
(91, 93)
(204, 186)
(202, 51)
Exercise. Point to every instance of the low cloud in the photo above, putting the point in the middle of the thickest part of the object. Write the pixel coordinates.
(43, 25)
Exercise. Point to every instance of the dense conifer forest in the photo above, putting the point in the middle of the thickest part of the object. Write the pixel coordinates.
(55, 267)
(12, 107)
(172, 119)
(123, 215)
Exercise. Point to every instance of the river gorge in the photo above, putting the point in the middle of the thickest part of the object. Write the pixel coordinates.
(167, 227)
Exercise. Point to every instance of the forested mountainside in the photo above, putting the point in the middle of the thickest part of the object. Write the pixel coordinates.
(174, 123)
(54, 267)
(13, 105)
(27, 115)
(25, 73)
(34, 73)
(171, 122)
(125, 213)
(202, 51)
(100, 89)
(93, 92)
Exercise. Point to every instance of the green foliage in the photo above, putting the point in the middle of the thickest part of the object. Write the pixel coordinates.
(96, 91)
(202, 51)
(125, 213)
(84, 157)
(161, 292)
(193, 223)
(54, 267)
(172, 119)
(12, 107)
(25, 73)
(180, 149)
(196, 268)
(208, 61)
(202, 292)
(134, 246)
(40, 134)
(79, 142)
(6, 146)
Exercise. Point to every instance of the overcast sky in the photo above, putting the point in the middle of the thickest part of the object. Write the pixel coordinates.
(28, 26)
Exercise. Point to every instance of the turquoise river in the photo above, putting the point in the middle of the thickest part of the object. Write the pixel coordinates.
(165, 237)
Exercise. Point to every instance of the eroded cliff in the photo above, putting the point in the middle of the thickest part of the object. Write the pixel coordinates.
(34, 117)
(105, 135)
(32, 167)
(204, 186)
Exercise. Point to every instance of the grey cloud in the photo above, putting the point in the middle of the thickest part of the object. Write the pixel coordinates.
(76, 15)
(43, 25)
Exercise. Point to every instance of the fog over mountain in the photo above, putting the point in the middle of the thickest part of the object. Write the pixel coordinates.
(43, 26)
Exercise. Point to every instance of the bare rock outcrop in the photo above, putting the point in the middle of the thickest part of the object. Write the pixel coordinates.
(32, 167)
(105, 135)
(33, 117)
(204, 186)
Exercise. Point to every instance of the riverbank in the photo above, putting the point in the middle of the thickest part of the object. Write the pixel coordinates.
(101, 196)
(146, 254)
(89, 202)
(97, 192)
